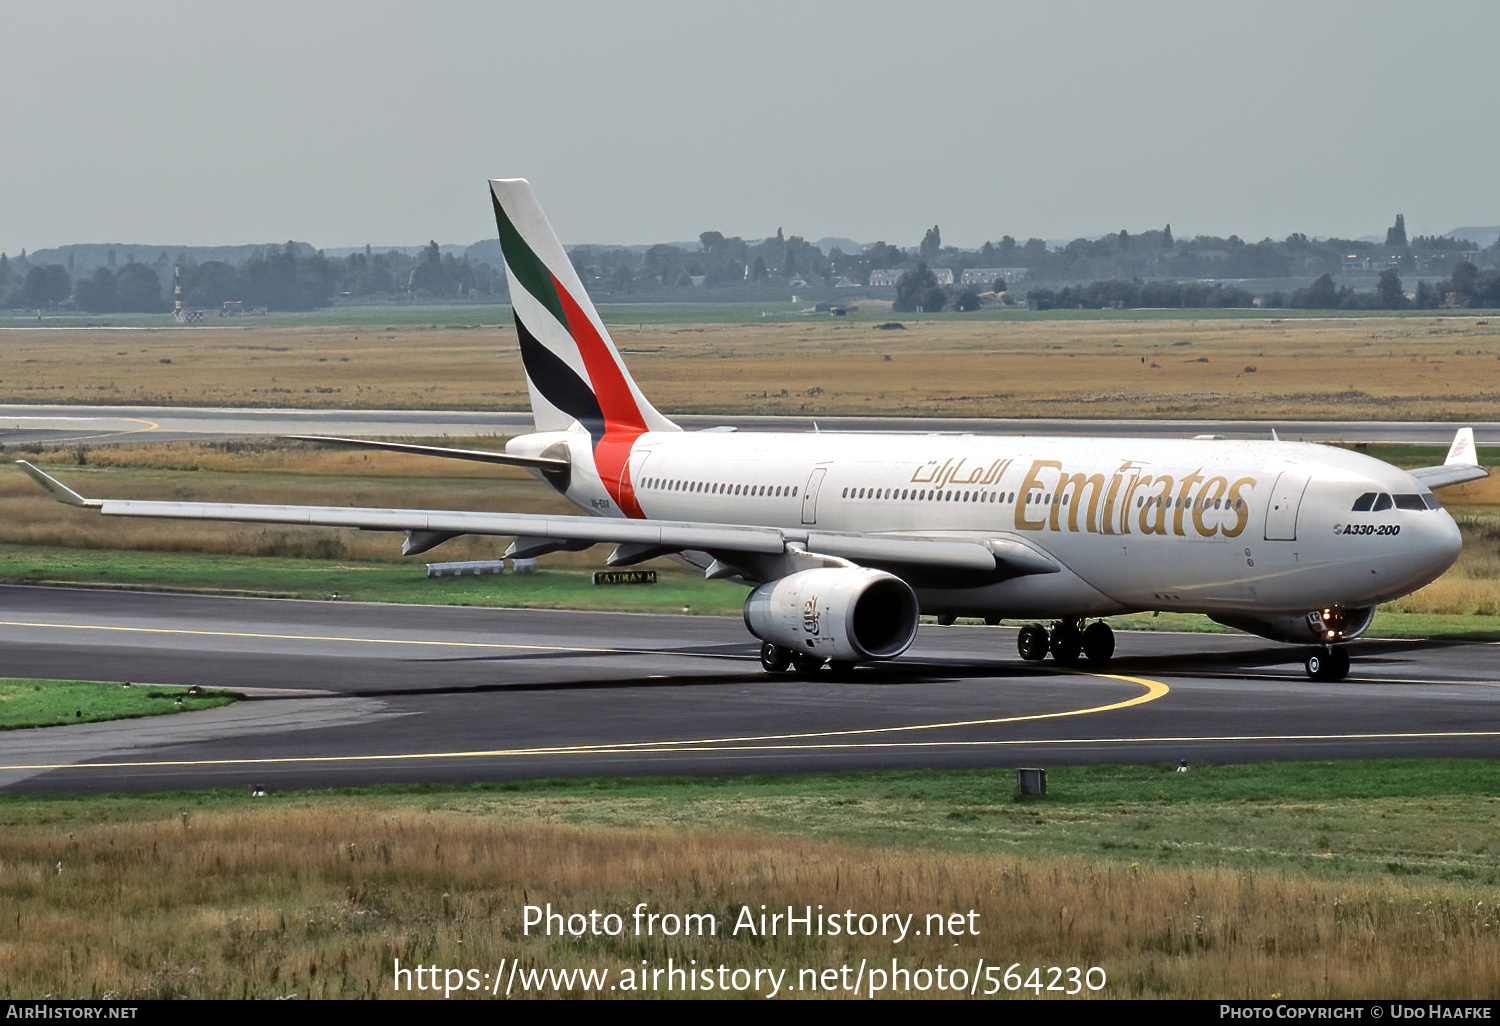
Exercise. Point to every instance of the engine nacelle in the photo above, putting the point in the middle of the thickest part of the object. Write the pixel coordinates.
(845, 613)
(1327, 626)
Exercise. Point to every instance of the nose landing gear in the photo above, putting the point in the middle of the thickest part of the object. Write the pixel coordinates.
(1328, 664)
(1066, 642)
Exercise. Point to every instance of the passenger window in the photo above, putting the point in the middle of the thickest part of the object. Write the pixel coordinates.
(1382, 501)
(1363, 503)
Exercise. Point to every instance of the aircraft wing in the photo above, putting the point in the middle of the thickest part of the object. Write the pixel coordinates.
(1461, 465)
(985, 555)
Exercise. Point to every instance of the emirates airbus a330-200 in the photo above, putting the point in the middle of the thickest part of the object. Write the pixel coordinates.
(847, 538)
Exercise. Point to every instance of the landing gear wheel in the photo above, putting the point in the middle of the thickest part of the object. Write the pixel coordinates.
(1066, 642)
(1098, 643)
(842, 669)
(1328, 664)
(1032, 643)
(806, 664)
(774, 658)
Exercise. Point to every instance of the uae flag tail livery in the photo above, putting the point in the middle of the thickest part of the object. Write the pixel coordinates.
(575, 374)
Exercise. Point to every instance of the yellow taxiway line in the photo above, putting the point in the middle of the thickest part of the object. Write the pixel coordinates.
(1152, 691)
(709, 746)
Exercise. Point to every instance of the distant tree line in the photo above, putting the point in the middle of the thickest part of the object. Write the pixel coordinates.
(725, 261)
(729, 261)
(1152, 268)
(1116, 294)
(1466, 287)
(290, 277)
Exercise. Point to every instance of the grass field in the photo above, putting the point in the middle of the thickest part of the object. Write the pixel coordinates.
(1426, 368)
(47, 703)
(361, 581)
(1293, 880)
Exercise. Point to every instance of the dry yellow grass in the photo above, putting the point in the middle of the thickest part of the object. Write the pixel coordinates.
(1377, 367)
(270, 473)
(319, 900)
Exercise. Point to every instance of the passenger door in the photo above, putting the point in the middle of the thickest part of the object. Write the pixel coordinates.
(1286, 499)
(810, 495)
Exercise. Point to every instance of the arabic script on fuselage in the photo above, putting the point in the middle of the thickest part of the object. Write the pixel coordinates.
(1050, 498)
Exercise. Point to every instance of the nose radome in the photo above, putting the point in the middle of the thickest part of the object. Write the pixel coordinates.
(1437, 544)
(1447, 541)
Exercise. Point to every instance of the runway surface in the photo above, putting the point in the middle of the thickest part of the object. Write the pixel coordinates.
(58, 425)
(349, 694)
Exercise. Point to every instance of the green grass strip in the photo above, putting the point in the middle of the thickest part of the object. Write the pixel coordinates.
(27, 702)
(356, 581)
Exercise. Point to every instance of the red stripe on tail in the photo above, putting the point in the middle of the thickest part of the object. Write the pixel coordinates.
(623, 422)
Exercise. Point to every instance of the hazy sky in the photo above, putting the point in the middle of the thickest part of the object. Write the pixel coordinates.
(347, 123)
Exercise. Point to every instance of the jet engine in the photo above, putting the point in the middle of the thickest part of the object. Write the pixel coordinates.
(1327, 626)
(850, 614)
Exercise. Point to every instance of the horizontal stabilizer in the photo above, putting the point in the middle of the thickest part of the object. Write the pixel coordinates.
(474, 455)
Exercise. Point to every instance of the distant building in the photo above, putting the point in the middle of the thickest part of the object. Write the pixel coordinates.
(1442, 262)
(987, 275)
(944, 275)
(1356, 264)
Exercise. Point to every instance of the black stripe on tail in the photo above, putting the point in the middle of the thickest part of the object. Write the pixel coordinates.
(559, 384)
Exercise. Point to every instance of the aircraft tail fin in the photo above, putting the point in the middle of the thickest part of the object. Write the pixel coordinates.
(573, 369)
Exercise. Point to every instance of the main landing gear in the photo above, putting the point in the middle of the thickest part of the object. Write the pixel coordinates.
(1067, 642)
(1328, 663)
(775, 659)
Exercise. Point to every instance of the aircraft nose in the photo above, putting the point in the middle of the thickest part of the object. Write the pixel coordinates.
(1436, 545)
(1445, 542)
(1428, 545)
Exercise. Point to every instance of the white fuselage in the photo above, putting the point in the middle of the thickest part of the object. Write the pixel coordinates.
(1228, 527)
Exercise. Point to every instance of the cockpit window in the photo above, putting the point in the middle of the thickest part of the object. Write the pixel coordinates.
(1374, 502)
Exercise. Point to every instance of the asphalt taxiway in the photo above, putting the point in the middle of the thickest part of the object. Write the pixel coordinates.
(347, 694)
